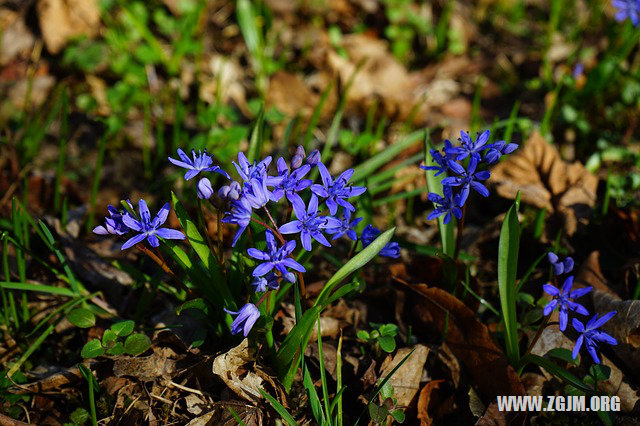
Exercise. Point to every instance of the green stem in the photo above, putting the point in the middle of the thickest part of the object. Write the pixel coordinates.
(459, 234)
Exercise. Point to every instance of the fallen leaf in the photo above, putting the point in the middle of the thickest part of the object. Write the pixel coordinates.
(423, 402)
(493, 417)
(162, 363)
(235, 369)
(546, 181)
(406, 379)
(61, 20)
(469, 340)
(16, 37)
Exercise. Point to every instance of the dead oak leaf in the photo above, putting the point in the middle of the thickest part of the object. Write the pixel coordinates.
(546, 181)
(61, 20)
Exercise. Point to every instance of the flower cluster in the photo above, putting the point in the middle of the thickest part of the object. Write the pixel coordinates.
(460, 180)
(627, 9)
(121, 222)
(564, 300)
(327, 211)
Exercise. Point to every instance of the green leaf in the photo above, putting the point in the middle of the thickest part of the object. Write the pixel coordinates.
(363, 335)
(288, 356)
(391, 152)
(434, 183)
(556, 370)
(507, 268)
(79, 416)
(378, 413)
(255, 143)
(387, 343)
(92, 349)
(286, 416)
(136, 344)
(600, 372)
(398, 415)
(198, 304)
(123, 328)
(314, 400)
(117, 349)
(82, 318)
(109, 338)
(563, 354)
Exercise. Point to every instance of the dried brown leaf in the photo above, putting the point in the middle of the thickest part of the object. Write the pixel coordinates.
(62, 19)
(162, 363)
(469, 340)
(546, 181)
(423, 402)
(406, 379)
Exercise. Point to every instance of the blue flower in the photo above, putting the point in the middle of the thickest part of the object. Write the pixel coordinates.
(468, 179)
(370, 233)
(201, 163)
(248, 171)
(291, 182)
(149, 229)
(338, 228)
(256, 193)
(308, 224)
(336, 191)
(627, 9)
(564, 299)
(445, 205)
(246, 318)
(204, 189)
(498, 149)
(591, 336)
(468, 146)
(240, 214)
(268, 281)
(439, 159)
(230, 192)
(275, 257)
(113, 224)
(559, 267)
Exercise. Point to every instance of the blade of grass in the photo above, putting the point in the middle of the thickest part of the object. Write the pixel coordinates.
(38, 287)
(255, 143)
(434, 184)
(323, 375)
(507, 269)
(286, 416)
(97, 175)
(64, 130)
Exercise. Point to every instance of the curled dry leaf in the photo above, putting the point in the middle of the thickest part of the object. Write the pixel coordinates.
(236, 370)
(546, 181)
(424, 401)
(61, 20)
(406, 379)
(16, 37)
(469, 340)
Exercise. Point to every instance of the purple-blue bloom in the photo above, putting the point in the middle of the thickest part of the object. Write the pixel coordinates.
(468, 146)
(256, 192)
(230, 192)
(246, 318)
(564, 299)
(149, 229)
(627, 9)
(336, 191)
(113, 224)
(275, 257)
(338, 228)
(201, 163)
(240, 214)
(439, 159)
(268, 281)
(248, 171)
(445, 205)
(559, 267)
(498, 149)
(468, 179)
(291, 182)
(591, 336)
(308, 224)
(370, 233)
(204, 189)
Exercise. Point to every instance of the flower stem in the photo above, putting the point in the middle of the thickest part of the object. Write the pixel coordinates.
(160, 261)
(459, 234)
(261, 223)
(203, 224)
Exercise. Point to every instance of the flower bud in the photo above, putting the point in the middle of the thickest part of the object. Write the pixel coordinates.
(230, 192)
(298, 157)
(313, 158)
(205, 191)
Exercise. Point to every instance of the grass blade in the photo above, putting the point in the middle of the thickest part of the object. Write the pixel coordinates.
(286, 416)
(507, 268)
